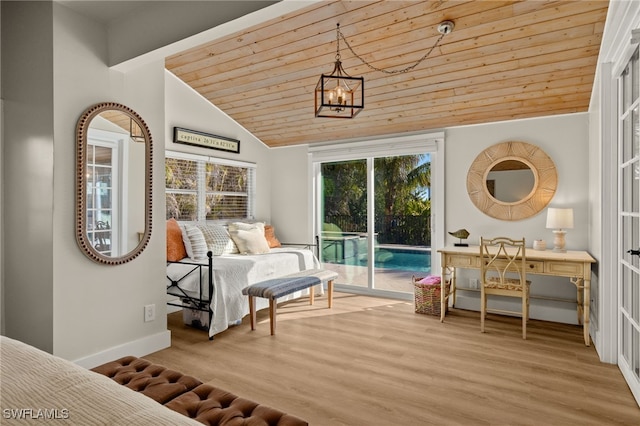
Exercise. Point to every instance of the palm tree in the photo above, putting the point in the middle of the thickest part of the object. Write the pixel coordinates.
(401, 185)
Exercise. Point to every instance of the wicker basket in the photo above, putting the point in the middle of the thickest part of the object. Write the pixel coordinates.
(427, 296)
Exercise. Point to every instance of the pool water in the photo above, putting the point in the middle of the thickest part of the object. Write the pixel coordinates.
(398, 258)
(403, 259)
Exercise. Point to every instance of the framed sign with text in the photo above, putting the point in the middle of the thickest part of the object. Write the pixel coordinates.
(206, 140)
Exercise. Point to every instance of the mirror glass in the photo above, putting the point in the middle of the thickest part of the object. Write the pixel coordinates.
(510, 181)
(113, 193)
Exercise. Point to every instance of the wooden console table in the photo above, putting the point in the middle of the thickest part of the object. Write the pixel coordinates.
(575, 265)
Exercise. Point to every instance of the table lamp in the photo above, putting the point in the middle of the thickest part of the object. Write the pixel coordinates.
(559, 220)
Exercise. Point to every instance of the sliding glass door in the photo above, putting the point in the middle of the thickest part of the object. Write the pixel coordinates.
(343, 209)
(402, 225)
(376, 221)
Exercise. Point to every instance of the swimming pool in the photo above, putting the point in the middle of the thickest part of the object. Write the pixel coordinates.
(403, 259)
(396, 258)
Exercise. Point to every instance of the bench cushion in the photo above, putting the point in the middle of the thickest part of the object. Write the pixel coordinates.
(282, 286)
(155, 381)
(213, 406)
(188, 396)
(278, 287)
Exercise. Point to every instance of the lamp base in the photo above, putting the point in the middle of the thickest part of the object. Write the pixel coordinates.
(559, 241)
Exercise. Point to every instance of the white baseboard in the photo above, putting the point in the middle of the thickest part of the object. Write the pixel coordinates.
(139, 348)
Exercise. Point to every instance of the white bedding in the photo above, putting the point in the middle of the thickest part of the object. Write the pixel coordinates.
(234, 272)
(39, 388)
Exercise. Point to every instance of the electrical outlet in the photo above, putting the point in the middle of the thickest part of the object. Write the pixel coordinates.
(473, 283)
(149, 313)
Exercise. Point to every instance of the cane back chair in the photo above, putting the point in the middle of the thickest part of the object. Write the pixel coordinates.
(503, 273)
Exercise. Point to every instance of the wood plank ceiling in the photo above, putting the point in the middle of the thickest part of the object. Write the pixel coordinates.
(504, 60)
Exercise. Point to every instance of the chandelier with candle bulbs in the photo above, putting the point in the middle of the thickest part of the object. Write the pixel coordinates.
(338, 95)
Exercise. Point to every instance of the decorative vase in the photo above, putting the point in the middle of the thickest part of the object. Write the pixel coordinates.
(539, 245)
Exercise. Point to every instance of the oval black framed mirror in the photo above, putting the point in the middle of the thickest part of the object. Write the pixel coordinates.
(113, 183)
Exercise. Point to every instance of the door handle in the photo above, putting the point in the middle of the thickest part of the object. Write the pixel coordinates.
(634, 252)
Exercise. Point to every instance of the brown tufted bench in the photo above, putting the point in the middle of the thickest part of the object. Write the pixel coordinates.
(214, 406)
(188, 396)
(155, 381)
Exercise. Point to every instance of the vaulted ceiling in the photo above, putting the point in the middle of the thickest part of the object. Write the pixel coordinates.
(504, 60)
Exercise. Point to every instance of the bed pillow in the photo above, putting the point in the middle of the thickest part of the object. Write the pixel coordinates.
(257, 227)
(249, 239)
(175, 246)
(270, 235)
(197, 247)
(246, 226)
(218, 239)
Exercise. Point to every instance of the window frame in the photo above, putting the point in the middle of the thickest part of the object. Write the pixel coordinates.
(201, 191)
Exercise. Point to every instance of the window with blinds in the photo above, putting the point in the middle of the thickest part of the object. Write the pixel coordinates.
(203, 188)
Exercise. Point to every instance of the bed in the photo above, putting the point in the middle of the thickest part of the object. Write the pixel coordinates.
(215, 300)
(38, 387)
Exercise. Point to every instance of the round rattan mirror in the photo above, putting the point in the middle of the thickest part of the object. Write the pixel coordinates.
(518, 172)
(113, 183)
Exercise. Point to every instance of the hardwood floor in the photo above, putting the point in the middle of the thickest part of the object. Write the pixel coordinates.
(372, 361)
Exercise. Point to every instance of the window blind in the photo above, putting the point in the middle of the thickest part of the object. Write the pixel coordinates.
(200, 188)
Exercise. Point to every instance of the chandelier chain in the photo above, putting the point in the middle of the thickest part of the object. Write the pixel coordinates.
(397, 71)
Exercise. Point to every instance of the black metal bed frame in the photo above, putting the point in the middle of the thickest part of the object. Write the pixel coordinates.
(204, 304)
(200, 303)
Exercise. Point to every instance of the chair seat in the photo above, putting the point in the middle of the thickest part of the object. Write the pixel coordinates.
(509, 284)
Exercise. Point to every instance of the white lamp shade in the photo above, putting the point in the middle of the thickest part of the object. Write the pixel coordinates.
(559, 218)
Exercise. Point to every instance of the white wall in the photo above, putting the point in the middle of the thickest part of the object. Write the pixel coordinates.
(563, 138)
(28, 171)
(66, 304)
(150, 27)
(186, 108)
(99, 307)
(55, 297)
(291, 200)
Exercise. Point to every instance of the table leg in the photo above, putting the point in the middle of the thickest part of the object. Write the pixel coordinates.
(443, 290)
(452, 288)
(585, 310)
(330, 293)
(583, 286)
(444, 294)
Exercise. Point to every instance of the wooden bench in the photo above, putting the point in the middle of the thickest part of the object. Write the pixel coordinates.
(274, 288)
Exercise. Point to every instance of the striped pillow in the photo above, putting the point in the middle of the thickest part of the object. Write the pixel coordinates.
(197, 247)
(218, 239)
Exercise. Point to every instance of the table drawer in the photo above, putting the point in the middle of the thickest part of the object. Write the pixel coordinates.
(530, 266)
(564, 268)
(462, 261)
(534, 266)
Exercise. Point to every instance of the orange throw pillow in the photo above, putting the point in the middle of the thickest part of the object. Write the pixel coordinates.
(270, 235)
(175, 245)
